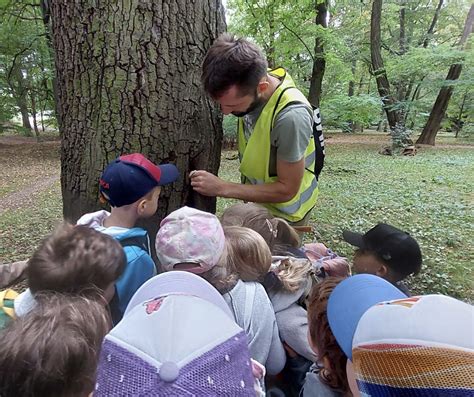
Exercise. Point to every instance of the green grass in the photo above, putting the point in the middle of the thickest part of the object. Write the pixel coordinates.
(21, 230)
(429, 195)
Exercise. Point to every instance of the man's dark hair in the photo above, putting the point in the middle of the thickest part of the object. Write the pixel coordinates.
(232, 61)
(75, 259)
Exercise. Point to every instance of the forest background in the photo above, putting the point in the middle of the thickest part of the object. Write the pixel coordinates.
(422, 91)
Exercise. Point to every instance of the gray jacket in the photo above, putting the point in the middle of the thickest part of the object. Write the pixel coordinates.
(253, 312)
(292, 321)
(314, 386)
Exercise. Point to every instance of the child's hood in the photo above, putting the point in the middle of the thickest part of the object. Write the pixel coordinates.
(95, 220)
(282, 299)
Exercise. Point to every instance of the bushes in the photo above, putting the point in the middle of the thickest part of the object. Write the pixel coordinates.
(342, 111)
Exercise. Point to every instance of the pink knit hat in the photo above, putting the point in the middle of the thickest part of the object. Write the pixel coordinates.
(190, 236)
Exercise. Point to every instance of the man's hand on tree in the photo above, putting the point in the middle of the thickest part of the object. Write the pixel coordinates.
(206, 183)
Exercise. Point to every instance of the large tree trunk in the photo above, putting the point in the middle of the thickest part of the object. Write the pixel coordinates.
(319, 64)
(128, 77)
(432, 126)
(394, 116)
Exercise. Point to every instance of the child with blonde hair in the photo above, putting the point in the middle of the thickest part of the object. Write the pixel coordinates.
(293, 272)
(193, 240)
(248, 253)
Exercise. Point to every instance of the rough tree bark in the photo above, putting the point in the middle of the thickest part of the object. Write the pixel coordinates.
(128, 77)
(432, 126)
(394, 116)
(319, 64)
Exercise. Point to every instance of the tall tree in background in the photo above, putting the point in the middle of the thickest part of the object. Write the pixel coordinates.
(128, 75)
(395, 119)
(25, 64)
(428, 135)
(319, 63)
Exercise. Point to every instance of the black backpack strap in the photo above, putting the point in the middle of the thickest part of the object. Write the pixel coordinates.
(317, 135)
(318, 142)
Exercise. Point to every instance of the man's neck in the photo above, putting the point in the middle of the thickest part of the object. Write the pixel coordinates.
(273, 82)
(125, 217)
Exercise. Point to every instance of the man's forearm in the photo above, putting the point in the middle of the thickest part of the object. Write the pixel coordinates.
(275, 192)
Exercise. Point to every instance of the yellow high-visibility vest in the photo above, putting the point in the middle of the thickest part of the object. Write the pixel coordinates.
(255, 154)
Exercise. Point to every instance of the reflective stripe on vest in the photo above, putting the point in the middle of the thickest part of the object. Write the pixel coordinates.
(255, 154)
(306, 195)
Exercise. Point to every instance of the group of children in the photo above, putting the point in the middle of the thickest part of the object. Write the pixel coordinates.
(238, 308)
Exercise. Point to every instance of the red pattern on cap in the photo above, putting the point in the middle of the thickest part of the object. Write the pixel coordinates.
(141, 161)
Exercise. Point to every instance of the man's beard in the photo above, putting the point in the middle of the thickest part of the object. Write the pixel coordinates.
(254, 105)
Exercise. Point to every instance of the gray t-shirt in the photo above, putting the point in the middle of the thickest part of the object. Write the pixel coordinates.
(290, 135)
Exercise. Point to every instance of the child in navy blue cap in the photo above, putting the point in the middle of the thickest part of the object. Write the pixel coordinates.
(131, 184)
(387, 252)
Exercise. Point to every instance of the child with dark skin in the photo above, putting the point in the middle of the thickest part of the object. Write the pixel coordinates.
(387, 252)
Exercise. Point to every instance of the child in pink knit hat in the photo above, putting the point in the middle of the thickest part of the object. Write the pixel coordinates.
(194, 241)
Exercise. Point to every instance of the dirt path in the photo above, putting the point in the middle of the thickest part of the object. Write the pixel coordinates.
(26, 196)
(25, 159)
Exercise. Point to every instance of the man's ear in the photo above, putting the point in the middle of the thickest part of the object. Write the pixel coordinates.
(263, 85)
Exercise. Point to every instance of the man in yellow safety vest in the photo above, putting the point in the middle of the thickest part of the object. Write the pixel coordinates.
(280, 140)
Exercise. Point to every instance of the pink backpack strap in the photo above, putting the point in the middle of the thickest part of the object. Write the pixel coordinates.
(323, 257)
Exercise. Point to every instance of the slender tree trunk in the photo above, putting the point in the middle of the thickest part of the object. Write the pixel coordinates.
(33, 113)
(17, 84)
(319, 64)
(394, 117)
(128, 77)
(25, 116)
(459, 123)
(350, 92)
(432, 126)
(270, 51)
(430, 31)
(401, 85)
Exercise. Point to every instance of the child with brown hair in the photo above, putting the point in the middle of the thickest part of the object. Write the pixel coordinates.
(73, 260)
(277, 232)
(54, 349)
(193, 240)
(328, 379)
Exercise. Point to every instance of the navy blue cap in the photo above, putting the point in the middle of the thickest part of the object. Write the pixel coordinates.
(128, 178)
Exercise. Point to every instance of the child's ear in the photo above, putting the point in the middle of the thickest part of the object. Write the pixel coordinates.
(142, 204)
(382, 271)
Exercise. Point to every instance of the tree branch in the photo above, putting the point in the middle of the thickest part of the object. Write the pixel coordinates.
(299, 38)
